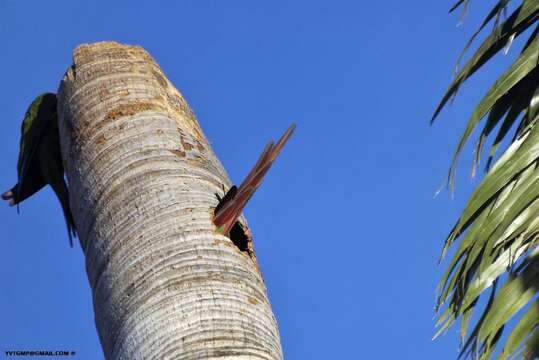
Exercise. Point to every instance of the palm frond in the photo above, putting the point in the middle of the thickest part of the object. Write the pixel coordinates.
(498, 230)
(519, 21)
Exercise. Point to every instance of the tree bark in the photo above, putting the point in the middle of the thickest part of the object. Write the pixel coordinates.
(143, 181)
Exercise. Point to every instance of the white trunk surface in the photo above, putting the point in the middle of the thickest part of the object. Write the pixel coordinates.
(142, 181)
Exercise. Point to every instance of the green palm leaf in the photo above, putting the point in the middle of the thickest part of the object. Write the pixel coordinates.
(522, 330)
(498, 229)
(525, 64)
(519, 21)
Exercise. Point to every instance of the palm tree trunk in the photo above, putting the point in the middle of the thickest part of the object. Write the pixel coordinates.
(143, 181)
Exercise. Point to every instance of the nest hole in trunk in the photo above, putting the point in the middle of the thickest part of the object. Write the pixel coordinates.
(239, 237)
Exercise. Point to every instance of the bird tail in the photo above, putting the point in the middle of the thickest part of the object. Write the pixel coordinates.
(227, 214)
(60, 189)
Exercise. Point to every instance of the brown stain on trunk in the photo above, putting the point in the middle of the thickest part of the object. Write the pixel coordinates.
(187, 146)
(178, 153)
(131, 109)
(252, 300)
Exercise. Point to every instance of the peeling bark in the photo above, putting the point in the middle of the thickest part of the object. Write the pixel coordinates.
(142, 180)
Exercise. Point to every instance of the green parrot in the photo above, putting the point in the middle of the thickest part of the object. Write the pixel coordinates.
(40, 159)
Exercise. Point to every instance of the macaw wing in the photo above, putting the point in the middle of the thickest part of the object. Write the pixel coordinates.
(228, 217)
(37, 118)
(230, 194)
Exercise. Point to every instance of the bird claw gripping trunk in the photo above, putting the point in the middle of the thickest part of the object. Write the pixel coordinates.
(142, 181)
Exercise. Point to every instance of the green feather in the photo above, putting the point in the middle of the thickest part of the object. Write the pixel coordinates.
(40, 159)
(40, 114)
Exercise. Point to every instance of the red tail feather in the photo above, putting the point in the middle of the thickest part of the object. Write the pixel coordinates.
(228, 213)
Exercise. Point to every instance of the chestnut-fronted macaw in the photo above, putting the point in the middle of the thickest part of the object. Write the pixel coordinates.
(40, 159)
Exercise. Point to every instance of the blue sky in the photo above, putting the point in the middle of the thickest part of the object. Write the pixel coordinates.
(346, 228)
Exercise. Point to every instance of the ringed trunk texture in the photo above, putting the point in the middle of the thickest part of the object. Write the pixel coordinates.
(143, 181)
